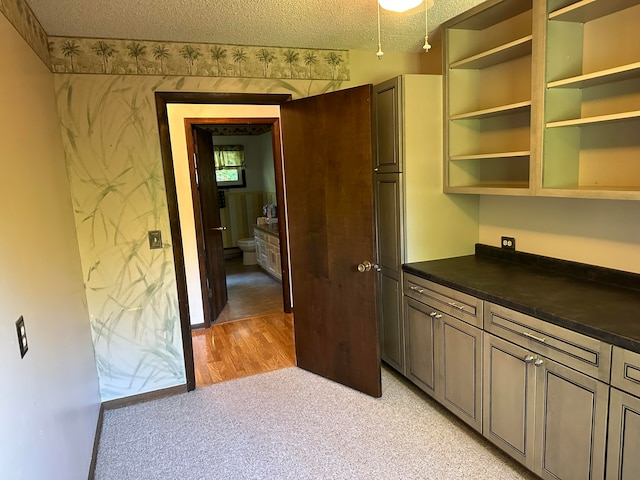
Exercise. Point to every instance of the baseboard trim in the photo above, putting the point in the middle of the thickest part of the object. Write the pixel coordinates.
(144, 397)
(96, 443)
(196, 326)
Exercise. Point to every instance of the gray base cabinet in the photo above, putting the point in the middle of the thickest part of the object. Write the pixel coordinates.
(549, 417)
(571, 423)
(509, 398)
(461, 370)
(623, 460)
(420, 329)
(443, 353)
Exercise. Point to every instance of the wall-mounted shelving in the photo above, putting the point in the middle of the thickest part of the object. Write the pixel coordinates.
(592, 100)
(542, 97)
(488, 101)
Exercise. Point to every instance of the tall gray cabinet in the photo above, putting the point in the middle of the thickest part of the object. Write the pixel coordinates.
(415, 220)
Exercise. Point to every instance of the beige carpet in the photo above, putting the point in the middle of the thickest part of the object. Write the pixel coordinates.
(291, 424)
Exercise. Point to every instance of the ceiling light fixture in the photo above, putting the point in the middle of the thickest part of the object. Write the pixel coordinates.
(405, 6)
(399, 5)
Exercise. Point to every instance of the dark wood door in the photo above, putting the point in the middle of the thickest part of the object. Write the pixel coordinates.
(328, 162)
(211, 227)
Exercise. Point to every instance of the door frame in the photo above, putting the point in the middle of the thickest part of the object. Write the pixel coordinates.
(162, 99)
(190, 123)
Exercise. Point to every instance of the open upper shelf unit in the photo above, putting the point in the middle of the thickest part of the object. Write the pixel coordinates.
(542, 97)
(592, 100)
(488, 101)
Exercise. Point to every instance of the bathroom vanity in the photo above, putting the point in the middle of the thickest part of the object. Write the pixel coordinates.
(268, 249)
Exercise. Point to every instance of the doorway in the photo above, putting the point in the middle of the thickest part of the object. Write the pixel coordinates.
(232, 170)
(329, 135)
(182, 263)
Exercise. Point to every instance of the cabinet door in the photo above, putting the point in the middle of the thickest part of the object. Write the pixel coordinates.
(461, 369)
(509, 398)
(261, 254)
(420, 330)
(571, 423)
(388, 207)
(391, 325)
(387, 124)
(623, 461)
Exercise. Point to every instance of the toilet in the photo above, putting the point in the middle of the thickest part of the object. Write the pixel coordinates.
(248, 247)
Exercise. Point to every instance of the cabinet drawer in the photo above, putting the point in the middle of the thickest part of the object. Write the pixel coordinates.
(273, 240)
(457, 304)
(585, 354)
(625, 371)
(260, 234)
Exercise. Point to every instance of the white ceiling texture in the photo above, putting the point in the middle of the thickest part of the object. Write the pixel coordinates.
(325, 24)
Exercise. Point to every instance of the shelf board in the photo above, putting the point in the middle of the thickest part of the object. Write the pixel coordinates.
(494, 112)
(608, 192)
(587, 10)
(487, 156)
(615, 117)
(488, 14)
(496, 188)
(503, 53)
(603, 77)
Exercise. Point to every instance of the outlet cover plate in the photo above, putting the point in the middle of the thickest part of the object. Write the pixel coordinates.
(508, 243)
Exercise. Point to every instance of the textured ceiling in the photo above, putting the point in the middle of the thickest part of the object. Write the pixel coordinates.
(327, 24)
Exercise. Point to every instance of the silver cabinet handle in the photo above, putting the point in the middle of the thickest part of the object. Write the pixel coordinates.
(219, 229)
(527, 334)
(417, 289)
(528, 359)
(433, 314)
(438, 315)
(455, 305)
(538, 362)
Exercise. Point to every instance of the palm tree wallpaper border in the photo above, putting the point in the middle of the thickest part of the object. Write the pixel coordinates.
(27, 25)
(142, 57)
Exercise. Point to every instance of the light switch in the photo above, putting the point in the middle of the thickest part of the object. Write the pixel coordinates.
(22, 337)
(155, 239)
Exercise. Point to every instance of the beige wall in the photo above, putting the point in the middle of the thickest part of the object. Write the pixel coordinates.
(49, 402)
(600, 232)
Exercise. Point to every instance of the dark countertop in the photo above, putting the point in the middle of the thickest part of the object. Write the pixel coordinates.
(596, 301)
(270, 228)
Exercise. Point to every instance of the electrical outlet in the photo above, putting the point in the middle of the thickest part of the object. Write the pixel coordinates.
(22, 337)
(155, 239)
(508, 243)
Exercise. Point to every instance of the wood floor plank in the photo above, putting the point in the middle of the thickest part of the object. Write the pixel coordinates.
(243, 347)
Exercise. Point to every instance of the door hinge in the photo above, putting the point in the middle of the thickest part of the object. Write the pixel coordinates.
(210, 293)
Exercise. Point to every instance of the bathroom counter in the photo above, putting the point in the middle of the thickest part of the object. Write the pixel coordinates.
(269, 228)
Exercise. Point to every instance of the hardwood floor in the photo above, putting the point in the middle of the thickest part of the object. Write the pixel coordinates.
(252, 334)
(243, 347)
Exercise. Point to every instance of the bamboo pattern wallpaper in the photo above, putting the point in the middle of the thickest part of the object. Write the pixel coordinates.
(141, 57)
(110, 135)
(26, 23)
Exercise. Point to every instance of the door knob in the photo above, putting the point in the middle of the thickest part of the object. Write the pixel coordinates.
(218, 228)
(365, 266)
